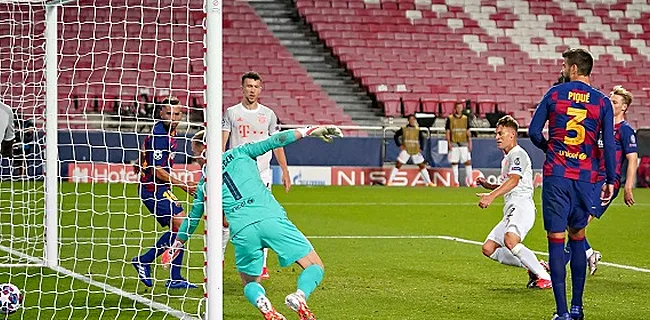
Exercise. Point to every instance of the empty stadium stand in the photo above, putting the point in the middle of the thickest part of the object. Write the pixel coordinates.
(505, 53)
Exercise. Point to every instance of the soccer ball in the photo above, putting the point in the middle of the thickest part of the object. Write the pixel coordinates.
(10, 298)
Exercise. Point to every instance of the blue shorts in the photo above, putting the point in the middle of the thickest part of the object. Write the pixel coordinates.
(277, 234)
(163, 204)
(598, 209)
(566, 203)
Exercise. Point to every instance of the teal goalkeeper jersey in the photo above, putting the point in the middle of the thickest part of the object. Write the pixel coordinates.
(245, 198)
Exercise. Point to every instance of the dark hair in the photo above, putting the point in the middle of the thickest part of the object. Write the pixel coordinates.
(199, 138)
(168, 101)
(251, 75)
(509, 122)
(581, 58)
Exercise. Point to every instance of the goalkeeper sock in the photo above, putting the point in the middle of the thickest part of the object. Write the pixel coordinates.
(454, 170)
(309, 279)
(393, 173)
(253, 291)
(176, 266)
(164, 242)
(468, 174)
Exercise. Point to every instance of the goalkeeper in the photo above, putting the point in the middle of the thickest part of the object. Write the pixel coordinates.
(258, 221)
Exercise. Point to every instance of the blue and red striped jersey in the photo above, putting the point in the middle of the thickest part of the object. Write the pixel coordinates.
(157, 151)
(576, 114)
(625, 140)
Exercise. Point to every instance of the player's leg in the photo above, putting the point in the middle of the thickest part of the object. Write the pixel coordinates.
(583, 200)
(268, 182)
(177, 281)
(556, 205)
(419, 160)
(291, 245)
(494, 249)
(454, 157)
(161, 209)
(402, 158)
(225, 237)
(521, 218)
(466, 158)
(249, 260)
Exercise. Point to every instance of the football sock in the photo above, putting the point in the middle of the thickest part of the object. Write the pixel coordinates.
(253, 291)
(224, 242)
(266, 255)
(393, 173)
(309, 279)
(558, 273)
(529, 260)
(468, 174)
(176, 266)
(503, 255)
(578, 270)
(454, 169)
(425, 176)
(162, 244)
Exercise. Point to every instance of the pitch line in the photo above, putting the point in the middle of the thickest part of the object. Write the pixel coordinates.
(106, 287)
(393, 204)
(449, 238)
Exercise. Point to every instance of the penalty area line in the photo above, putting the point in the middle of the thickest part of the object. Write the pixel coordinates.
(106, 287)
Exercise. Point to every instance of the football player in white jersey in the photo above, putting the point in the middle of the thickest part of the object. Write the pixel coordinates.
(503, 244)
(250, 121)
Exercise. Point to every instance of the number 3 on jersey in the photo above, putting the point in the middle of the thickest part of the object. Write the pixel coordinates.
(231, 186)
(575, 124)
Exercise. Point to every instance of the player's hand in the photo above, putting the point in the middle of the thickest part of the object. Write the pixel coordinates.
(486, 200)
(286, 180)
(482, 182)
(325, 133)
(628, 196)
(171, 253)
(191, 189)
(606, 194)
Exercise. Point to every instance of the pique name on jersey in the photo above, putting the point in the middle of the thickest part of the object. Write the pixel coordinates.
(579, 97)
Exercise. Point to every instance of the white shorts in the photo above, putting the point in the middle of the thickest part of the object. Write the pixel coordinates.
(459, 155)
(405, 156)
(266, 178)
(518, 217)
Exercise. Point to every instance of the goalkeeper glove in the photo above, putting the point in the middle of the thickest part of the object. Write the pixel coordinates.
(325, 133)
(171, 253)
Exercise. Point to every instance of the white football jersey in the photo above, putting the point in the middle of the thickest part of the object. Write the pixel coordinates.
(246, 126)
(517, 162)
(6, 123)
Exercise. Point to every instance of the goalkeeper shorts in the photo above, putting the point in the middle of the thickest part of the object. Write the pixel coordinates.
(163, 204)
(277, 234)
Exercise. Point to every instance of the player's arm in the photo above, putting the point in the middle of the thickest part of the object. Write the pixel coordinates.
(398, 137)
(481, 181)
(448, 134)
(505, 187)
(469, 137)
(254, 150)
(537, 124)
(282, 161)
(226, 127)
(161, 154)
(7, 144)
(631, 155)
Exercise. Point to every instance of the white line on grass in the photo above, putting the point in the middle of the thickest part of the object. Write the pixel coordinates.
(106, 287)
(456, 239)
(393, 204)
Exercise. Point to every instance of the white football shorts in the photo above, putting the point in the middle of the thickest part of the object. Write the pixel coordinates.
(459, 155)
(404, 157)
(518, 217)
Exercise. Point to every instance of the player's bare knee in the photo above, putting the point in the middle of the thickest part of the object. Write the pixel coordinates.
(421, 165)
(510, 240)
(468, 163)
(311, 258)
(488, 249)
(398, 165)
(245, 278)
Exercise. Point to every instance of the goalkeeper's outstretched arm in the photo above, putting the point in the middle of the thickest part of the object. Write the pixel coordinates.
(325, 133)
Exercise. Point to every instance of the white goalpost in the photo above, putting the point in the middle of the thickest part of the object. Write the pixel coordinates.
(86, 79)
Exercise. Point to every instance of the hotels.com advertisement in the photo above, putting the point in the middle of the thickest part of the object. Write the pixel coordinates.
(86, 172)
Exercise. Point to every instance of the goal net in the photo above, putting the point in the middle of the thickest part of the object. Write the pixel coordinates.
(116, 62)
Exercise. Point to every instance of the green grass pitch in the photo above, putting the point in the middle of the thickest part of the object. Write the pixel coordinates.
(365, 277)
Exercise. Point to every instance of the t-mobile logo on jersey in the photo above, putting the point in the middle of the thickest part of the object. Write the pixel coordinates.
(245, 131)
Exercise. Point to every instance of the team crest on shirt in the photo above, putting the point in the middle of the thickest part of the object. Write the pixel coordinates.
(261, 118)
(157, 154)
(239, 119)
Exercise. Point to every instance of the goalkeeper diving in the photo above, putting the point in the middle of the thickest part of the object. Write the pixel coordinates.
(257, 221)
